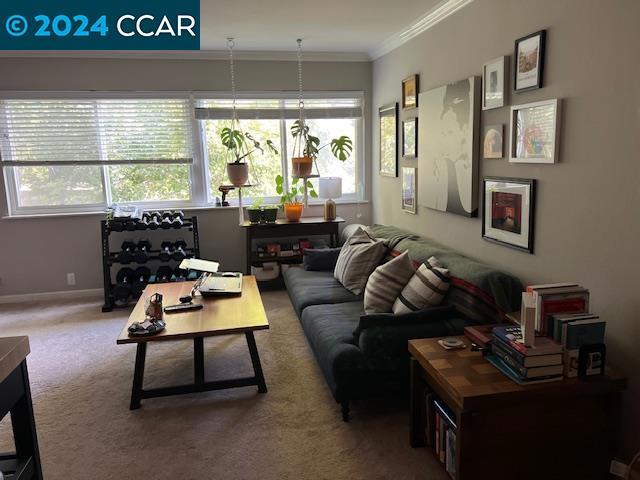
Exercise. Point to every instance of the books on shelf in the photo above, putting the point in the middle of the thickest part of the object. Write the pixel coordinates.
(441, 432)
(557, 298)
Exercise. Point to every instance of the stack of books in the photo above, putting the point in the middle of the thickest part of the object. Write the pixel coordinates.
(555, 298)
(522, 364)
(573, 331)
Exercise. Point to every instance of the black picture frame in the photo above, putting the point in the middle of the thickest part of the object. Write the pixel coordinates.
(413, 154)
(391, 110)
(516, 63)
(531, 183)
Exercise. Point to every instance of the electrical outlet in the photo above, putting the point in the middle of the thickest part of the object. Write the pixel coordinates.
(618, 469)
(71, 279)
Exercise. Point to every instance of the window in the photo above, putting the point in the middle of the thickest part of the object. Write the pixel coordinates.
(271, 118)
(80, 152)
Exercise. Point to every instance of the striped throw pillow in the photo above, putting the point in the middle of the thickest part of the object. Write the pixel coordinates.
(386, 283)
(358, 258)
(425, 289)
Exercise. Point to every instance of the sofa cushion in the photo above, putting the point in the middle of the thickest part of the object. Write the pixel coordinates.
(426, 288)
(315, 288)
(386, 283)
(427, 315)
(329, 330)
(321, 259)
(358, 258)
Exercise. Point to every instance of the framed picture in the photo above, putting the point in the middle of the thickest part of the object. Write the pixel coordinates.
(410, 138)
(494, 83)
(508, 213)
(389, 140)
(449, 138)
(492, 141)
(409, 189)
(410, 92)
(534, 132)
(529, 59)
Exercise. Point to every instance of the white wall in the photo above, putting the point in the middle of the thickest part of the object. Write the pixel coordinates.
(588, 214)
(36, 253)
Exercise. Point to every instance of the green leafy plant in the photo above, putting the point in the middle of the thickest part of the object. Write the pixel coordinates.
(257, 203)
(242, 144)
(296, 189)
(341, 147)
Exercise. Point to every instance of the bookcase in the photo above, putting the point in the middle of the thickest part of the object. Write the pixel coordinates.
(501, 430)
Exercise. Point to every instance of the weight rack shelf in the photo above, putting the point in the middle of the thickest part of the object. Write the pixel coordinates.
(109, 258)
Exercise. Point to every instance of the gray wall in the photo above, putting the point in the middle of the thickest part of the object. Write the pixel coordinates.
(36, 253)
(588, 217)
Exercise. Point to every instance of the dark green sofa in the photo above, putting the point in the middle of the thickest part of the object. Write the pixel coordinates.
(364, 355)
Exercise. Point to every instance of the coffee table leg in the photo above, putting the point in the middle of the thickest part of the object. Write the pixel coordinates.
(138, 376)
(198, 360)
(255, 359)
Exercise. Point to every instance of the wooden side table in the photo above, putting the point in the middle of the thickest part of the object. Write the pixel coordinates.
(15, 399)
(564, 429)
(282, 228)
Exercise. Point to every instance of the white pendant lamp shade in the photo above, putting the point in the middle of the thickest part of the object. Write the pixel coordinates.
(330, 187)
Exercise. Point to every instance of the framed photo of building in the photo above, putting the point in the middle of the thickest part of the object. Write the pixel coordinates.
(508, 211)
(410, 92)
(410, 137)
(494, 83)
(492, 141)
(409, 189)
(388, 118)
(529, 61)
(535, 132)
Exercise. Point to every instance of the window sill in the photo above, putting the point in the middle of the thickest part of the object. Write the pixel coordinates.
(34, 216)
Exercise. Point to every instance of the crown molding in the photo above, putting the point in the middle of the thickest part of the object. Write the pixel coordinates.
(438, 13)
(283, 56)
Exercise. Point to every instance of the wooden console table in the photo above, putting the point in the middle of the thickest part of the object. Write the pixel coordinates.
(15, 399)
(283, 228)
(564, 429)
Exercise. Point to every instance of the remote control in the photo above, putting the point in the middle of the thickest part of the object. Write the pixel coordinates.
(182, 307)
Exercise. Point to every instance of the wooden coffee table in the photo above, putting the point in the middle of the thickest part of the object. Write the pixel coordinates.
(220, 316)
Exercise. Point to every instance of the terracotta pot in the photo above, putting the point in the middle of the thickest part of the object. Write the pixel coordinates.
(293, 211)
(301, 166)
(238, 173)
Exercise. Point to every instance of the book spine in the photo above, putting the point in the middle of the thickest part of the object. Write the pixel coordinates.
(515, 345)
(509, 360)
(437, 434)
(514, 354)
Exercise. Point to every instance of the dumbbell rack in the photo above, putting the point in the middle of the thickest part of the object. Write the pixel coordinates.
(109, 258)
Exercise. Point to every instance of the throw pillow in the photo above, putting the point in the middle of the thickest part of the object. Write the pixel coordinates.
(321, 259)
(425, 289)
(358, 258)
(386, 283)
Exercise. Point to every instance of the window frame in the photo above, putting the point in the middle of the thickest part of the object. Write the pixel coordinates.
(201, 192)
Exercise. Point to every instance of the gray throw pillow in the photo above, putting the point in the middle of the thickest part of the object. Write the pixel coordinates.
(386, 283)
(358, 258)
(426, 288)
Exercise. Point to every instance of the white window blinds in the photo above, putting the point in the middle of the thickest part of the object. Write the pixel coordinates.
(276, 109)
(44, 132)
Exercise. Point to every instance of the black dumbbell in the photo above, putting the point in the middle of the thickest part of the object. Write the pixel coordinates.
(116, 225)
(164, 274)
(153, 220)
(178, 219)
(141, 278)
(180, 274)
(126, 252)
(131, 224)
(122, 289)
(142, 251)
(180, 252)
(166, 251)
(167, 220)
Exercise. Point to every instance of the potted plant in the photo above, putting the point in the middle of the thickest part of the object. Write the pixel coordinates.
(290, 200)
(307, 148)
(241, 145)
(259, 213)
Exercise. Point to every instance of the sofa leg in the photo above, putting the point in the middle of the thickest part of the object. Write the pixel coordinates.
(345, 410)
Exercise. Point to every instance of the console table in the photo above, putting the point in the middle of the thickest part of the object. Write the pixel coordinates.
(15, 399)
(283, 228)
(564, 429)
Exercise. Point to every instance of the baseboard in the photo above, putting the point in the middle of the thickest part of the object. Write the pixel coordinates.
(64, 295)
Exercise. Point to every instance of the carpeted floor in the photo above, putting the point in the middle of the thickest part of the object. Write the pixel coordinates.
(81, 384)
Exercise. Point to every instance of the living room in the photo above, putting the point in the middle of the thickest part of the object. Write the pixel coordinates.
(434, 165)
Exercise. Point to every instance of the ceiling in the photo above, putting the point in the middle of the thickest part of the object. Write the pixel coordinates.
(354, 26)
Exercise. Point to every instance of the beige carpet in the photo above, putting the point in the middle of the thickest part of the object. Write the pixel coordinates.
(81, 384)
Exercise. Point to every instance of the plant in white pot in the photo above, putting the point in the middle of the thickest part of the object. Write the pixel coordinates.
(241, 147)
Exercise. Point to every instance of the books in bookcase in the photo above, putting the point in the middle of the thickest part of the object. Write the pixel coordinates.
(442, 422)
(557, 299)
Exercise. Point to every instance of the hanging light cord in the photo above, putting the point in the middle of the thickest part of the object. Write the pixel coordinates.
(230, 44)
(300, 98)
